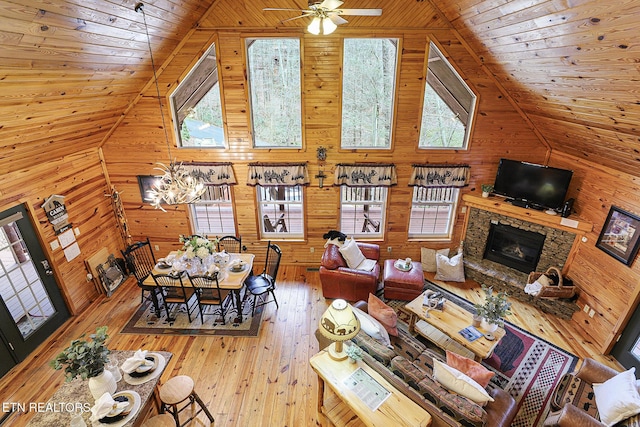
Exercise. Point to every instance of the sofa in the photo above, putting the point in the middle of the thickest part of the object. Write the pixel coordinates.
(409, 368)
(340, 281)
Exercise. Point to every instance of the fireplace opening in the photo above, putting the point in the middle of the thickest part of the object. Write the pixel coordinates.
(513, 247)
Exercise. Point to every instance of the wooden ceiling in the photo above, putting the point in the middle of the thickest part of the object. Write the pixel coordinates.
(70, 69)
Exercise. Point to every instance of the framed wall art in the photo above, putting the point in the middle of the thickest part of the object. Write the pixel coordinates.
(620, 236)
(146, 183)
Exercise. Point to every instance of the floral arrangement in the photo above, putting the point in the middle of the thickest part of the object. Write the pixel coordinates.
(196, 246)
(354, 352)
(84, 358)
(495, 306)
(487, 188)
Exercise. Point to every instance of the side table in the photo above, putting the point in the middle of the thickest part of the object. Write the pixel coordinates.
(402, 285)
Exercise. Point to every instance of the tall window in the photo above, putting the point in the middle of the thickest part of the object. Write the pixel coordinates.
(213, 213)
(196, 105)
(362, 211)
(281, 210)
(432, 211)
(368, 92)
(273, 67)
(447, 110)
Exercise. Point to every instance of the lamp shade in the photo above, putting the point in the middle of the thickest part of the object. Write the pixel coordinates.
(328, 26)
(339, 323)
(314, 26)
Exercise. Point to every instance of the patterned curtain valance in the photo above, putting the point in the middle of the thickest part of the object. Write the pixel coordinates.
(440, 176)
(212, 173)
(361, 175)
(272, 174)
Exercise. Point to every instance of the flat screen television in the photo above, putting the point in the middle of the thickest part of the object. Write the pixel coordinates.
(532, 185)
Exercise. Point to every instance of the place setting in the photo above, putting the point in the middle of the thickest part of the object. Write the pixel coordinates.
(142, 367)
(115, 410)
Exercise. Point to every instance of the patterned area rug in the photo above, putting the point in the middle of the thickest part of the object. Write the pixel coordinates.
(526, 366)
(145, 321)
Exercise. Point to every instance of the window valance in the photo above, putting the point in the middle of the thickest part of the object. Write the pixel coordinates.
(272, 174)
(440, 176)
(366, 175)
(212, 173)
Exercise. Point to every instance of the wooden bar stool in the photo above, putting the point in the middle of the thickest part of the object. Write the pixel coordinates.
(162, 420)
(176, 391)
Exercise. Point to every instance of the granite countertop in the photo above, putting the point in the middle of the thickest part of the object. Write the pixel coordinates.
(75, 395)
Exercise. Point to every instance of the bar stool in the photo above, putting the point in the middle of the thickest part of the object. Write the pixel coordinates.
(176, 391)
(162, 420)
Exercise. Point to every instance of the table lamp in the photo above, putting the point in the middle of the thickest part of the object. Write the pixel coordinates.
(339, 324)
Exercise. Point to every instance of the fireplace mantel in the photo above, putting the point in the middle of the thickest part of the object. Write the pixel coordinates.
(498, 205)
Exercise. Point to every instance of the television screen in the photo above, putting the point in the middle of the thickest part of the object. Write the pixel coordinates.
(537, 185)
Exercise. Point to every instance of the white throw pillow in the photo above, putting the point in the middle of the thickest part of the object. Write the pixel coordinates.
(449, 269)
(617, 398)
(352, 253)
(428, 258)
(372, 327)
(457, 382)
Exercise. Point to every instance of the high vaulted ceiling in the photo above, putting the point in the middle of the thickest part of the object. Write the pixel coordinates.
(70, 69)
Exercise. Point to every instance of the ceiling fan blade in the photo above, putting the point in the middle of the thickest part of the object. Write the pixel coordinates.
(360, 12)
(331, 4)
(291, 10)
(337, 19)
(295, 17)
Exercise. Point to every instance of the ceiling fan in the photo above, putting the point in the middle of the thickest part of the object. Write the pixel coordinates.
(326, 15)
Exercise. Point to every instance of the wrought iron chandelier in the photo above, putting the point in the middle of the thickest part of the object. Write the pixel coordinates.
(176, 185)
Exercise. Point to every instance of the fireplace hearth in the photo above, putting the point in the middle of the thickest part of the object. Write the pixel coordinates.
(514, 247)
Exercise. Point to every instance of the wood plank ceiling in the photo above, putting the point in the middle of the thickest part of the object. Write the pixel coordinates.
(70, 69)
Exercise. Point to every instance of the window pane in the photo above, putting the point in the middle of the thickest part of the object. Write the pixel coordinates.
(281, 210)
(362, 211)
(197, 107)
(448, 106)
(432, 212)
(368, 85)
(213, 213)
(275, 92)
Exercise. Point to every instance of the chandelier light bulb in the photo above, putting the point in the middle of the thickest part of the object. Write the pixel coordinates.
(314, 26)
(328, 26)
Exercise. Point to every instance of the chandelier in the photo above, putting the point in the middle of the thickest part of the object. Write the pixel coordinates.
(176, 185)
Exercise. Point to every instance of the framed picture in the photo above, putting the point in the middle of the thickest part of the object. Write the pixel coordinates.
(620, 236)
(146, 183)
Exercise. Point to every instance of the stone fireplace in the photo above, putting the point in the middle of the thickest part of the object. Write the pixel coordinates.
(483, 266)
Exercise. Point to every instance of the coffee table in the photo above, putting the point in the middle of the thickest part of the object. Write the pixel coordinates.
(343, 407)
(450, 321)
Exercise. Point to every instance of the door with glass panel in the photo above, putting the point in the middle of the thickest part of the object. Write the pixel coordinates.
(627, 349)
(31, 306)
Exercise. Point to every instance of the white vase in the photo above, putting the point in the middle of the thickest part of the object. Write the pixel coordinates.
(489, 327)
(101, 384)
(485, 194)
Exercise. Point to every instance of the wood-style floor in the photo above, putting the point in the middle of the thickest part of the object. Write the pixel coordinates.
(244, 381)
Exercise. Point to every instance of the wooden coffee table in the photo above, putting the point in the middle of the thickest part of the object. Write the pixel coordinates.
(343, 407)
(450, 322)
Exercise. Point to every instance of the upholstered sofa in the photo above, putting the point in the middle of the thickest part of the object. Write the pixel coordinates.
(409, 368)
(340, 281)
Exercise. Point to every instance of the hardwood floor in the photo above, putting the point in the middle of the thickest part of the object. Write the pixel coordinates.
(243, 381)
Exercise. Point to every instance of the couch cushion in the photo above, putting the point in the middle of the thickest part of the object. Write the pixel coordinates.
(457, 382)
(617, 398)
(332, 258)
(374, 348)
(383, 314)
(352, 253)
(407, 345)
(574, 391)
(470, 368)
(372, 327)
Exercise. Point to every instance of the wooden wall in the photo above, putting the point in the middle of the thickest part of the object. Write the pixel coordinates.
(138, 142)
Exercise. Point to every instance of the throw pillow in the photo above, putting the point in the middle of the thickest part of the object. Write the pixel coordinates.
(352, 253)
(372, 327)
(449, 269)
(617, 398)
(383, 314)
(428, 258)
(470, 368)
(457, 382)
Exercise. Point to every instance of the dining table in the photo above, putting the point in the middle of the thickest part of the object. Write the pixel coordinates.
(74, 397)
(228, 279)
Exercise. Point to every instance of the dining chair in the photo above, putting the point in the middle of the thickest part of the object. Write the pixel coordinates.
(263, 284)
(208, 292)
(173, 291)
(231, 244)
(140, 260)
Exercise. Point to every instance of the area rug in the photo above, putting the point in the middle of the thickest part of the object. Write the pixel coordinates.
(145, 321)
(526, 366)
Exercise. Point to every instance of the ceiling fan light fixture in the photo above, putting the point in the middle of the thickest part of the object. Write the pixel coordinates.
(328, 26)
(314, 26)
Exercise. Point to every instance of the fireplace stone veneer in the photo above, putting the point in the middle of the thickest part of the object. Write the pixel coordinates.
(556, 249)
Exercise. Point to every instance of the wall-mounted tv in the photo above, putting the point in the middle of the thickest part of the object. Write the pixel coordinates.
(532, 185)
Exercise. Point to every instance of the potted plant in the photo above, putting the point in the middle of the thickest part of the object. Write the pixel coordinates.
(486, 189)
(354, 352)
(494, 308)
(87, 359)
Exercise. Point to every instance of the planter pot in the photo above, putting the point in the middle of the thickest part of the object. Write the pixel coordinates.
(101, 384)
(477, 321)
(352, 360)
(489, 327)
(485, 194)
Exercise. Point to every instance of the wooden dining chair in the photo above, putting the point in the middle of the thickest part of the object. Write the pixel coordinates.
(140, 260)
(208, 292)
(231, 244)
(173, 291)
(263, 284)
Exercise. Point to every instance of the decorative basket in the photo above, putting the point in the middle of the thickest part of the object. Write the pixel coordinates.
(555, 291)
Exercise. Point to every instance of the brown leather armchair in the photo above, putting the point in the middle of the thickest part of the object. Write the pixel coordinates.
(570, 415)
(340, 281)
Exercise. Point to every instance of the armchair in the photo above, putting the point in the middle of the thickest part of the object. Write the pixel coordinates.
(340, 281)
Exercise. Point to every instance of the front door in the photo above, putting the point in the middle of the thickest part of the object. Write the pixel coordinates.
(627, 349)
(31, 306)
